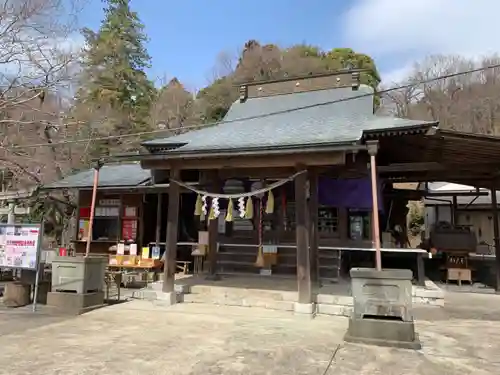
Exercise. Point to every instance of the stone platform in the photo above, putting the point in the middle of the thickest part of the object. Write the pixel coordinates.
(275, 294)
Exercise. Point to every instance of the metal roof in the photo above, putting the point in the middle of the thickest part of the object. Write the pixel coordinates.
(111, 175)
(297, 119)
(452, 188)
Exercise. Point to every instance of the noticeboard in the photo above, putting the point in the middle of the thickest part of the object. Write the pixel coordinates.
(20, 245)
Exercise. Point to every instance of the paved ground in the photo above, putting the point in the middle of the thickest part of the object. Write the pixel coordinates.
(142, 338)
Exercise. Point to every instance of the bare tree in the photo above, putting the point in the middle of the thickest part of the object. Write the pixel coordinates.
(38, 59)
(466, 102)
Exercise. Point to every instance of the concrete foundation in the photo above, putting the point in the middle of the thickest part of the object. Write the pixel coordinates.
(382, 308)
(73, 303)
(379, 332)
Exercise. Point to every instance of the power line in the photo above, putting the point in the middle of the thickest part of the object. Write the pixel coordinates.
(202, 126)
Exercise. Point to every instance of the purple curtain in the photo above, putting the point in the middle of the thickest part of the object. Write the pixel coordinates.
(351, 193)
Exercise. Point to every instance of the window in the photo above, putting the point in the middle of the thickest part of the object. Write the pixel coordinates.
(328, 220)
(359, 224)
(106, 226)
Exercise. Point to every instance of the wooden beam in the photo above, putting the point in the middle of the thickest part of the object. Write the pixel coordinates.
(437, 167)
(313, 224)
(269, 161)
(169, 267)
(257, 173)
(302, 238)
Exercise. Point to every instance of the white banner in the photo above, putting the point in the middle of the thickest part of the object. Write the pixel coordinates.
(19, 245)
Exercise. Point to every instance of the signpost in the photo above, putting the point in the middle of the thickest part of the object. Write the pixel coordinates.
(20, 248)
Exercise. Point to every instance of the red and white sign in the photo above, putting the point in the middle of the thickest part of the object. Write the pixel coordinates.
(19, 245)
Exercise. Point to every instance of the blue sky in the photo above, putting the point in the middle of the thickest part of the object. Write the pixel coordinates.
(186, 36)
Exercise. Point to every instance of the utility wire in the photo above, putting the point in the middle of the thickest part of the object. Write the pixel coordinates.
(202, 126)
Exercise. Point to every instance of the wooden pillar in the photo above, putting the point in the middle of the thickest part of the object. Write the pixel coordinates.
(372, 151)
(313, 224)
(496, 234)
(302, 238)
(454, 213)
(420, 269)
(158, 219)
(213, 230)
(171, 241)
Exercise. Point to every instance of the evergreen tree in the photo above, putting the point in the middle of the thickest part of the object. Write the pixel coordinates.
(115, 86)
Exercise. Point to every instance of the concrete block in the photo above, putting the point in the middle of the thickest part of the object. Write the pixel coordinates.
(384, 293)
(145, 294)
(74, 303)
(78, 274)
(167, 299)
(181, 288)
(382, 312)
(304, 308)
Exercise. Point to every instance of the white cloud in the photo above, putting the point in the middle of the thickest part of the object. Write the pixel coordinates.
(409, 30)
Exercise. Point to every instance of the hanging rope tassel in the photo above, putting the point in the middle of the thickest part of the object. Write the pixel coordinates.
(249, 209)
(204, 204)
(198, 208)
(211, 214)
(270, 203)
(215, 207)
(229, 215)
(260, 261)
(241, 207)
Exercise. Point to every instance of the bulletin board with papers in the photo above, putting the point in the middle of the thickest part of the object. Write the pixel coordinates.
(20, 245)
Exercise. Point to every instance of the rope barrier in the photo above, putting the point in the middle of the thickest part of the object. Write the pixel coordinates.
(241, 195)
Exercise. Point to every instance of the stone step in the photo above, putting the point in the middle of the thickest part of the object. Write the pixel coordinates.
(243, 302)
(249, 267)
(243, 293)
(328, 272)
(282, 251)
(226, 256)
(328, 256)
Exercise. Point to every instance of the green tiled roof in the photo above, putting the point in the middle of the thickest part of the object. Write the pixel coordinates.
(112, 175)
(282, 121)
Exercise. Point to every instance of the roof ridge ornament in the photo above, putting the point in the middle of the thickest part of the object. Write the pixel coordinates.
(355, 80)
(243, 93)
